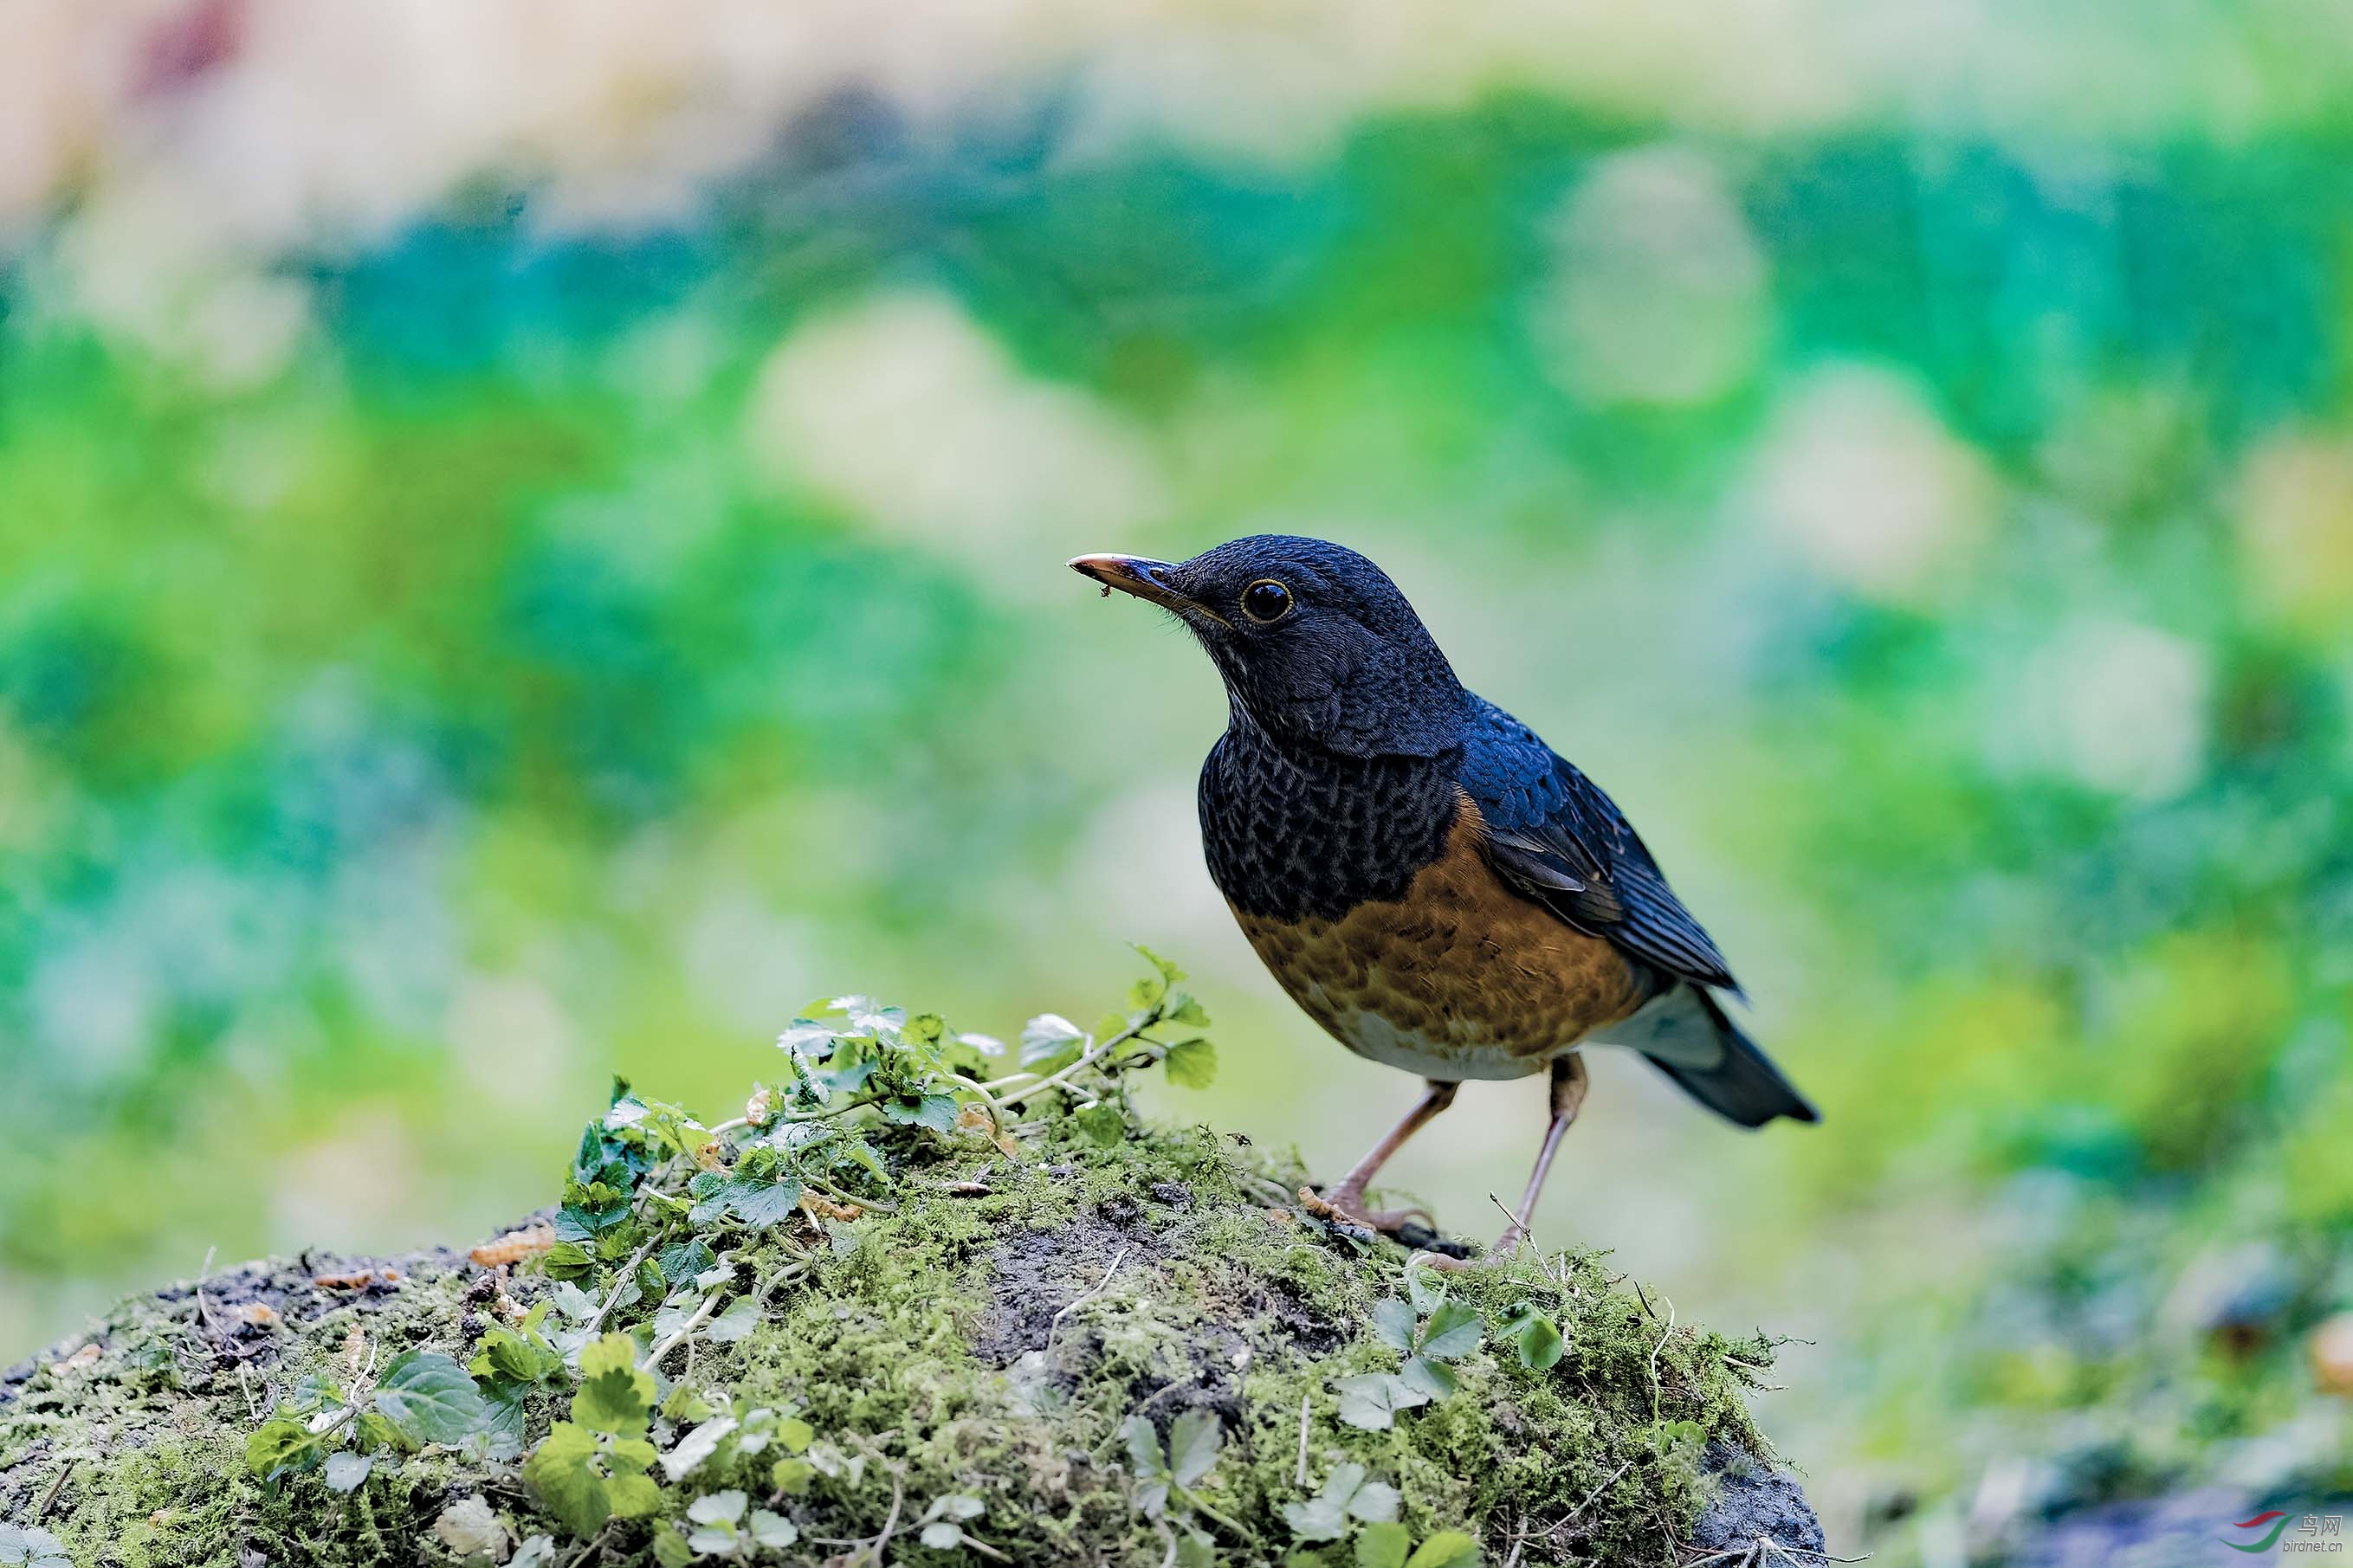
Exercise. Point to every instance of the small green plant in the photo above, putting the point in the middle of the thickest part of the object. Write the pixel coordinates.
(713, 1433)
(1346, 1500)
(1427, 1329)
(717, 1527)
(1166, 1477)
(1534, 1335)
(672, 1234)
(943, 1524)
(421, 1397)
(30, 1546)
(1384, 1546)
(592, 1468)
(509, 1365)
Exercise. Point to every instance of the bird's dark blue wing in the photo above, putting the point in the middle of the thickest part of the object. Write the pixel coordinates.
(1555, 837)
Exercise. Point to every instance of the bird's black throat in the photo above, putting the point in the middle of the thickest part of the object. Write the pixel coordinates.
(1293, 832)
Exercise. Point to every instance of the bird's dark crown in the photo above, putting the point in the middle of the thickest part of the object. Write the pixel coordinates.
(1317, 646)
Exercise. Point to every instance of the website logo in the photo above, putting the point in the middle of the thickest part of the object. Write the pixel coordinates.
(2276, 1519)
(2314, 1532)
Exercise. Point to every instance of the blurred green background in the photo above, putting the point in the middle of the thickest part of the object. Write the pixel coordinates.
(532, 546)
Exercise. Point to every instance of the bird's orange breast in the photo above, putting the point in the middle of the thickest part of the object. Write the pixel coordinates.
(1459, 978)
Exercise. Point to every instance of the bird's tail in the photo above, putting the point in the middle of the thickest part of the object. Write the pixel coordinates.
(1686, 1035)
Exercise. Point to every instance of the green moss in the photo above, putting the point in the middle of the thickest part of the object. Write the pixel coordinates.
(972, 1343)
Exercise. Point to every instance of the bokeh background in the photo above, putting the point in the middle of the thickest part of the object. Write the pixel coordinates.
(533, 541)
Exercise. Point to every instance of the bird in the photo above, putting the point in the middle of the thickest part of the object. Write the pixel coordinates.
(1429, 881)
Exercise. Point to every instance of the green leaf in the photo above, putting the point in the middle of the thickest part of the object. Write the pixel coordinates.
(634, 1496)
(806, 1035)
(1537, 1338)
(670, 1549)
(685, 1259)
(1196, 1550)
(1187, 1011)
(1432, 1378)
(1423, 1287)
(573, 1301)
(1325, 1516)
(864, 1154)
(937, 1112)
(942, 1536)
(1371, 1401)
(1151, 1465)
(1169, 973)
(523, 1358)
(370, 1430)
(428, 1398)
(761, 1205)
(280, 1444)
(1144, 1447)
(773, 1530)
(1382, 1545)
(346, 1470)
(32, 1546)
(1447, 1549)
(1316, 1520)
(741, 1316)
(567, 1260)
(502, 1407)
(1049, 1037)
(562, 1477)
(1192, 1064)
(1452, 1333)
(614, 1395)
(1103, 1124)
(1193, 1444)
(696, 1446)
(1393, 1321)
(718, 1508)
(1375, 1503)
(869, 1017)
(792, 1476)
(674, 1314)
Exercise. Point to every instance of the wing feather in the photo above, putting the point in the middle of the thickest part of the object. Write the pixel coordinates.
(1560, 841)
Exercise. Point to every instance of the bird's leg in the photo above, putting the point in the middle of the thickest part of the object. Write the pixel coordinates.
(1568, 1083)
(1346, 1201)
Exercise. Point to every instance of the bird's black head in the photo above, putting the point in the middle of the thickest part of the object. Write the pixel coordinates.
(1316, 644)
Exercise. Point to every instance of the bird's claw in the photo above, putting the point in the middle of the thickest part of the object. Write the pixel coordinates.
(1412, 1227)
(1347, 1210)
(1452, 1262)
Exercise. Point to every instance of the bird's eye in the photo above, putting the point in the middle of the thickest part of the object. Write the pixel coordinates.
(1266, 600)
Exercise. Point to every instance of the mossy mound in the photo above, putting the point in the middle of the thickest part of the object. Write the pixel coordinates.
(1075, 1340)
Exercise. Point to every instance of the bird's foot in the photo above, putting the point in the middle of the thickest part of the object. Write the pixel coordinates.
(1453, 1263)
(1347, 1207)
(1416, 1228)
(1453, 1259)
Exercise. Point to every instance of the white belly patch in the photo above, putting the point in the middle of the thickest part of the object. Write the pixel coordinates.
(1374, 1037)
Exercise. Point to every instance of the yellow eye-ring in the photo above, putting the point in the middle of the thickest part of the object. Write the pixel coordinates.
(1266, 600)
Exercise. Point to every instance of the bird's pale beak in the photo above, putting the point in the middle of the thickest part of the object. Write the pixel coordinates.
(1144, 578)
